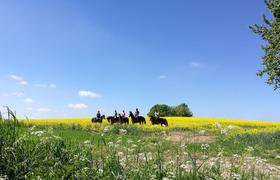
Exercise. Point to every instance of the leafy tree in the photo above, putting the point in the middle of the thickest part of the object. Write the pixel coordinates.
(270, 33)
(165, 110)
(183, 110)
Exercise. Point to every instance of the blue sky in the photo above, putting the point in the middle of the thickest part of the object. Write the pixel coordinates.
(69, 58)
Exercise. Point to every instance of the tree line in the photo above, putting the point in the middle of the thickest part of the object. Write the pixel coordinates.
(165, 110)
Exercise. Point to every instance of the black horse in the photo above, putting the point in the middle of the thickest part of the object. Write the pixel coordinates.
(109, 119)
(123, 120)
(139, 119)
(113, 119)
(100, 120)
(160, 121)
(118, 119)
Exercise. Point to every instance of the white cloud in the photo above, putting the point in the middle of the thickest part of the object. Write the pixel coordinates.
(40, 85)
(52, 86)
(44, 85)
(88, 94)
(162, 77)
(77, 106)
(197, 65)
(43, 110)
(17, 94)
(28, 100)
(18, 79)
(23, 82)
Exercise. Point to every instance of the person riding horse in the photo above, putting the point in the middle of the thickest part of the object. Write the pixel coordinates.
(157, 115)
(98, 118)
(123, 114)
(98, 115)
(137, 113)
(156, 119)
(116, 114)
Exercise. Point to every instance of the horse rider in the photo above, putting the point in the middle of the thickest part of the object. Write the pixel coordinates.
(137, 113)
(116, 114)
(98, 115)
(157, 115)
(123, 114)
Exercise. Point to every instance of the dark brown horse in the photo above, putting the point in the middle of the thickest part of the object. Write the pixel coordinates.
(118, 119)
(100, 120)
(160, 121)
(139, 119)
(113, 119)
(123, 120)
(109, 119)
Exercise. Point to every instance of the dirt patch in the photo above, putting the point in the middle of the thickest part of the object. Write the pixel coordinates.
(190, 138)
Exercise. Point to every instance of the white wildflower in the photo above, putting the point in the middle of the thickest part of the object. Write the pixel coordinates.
(202, 132)
(236, 176)
(217, 125)
(224, 131)
(153, 176)
(37, 133)
(130, 150)
(100, 171)
(183, 145)
(184, 166)
(236, 156)
(163, 133)
(110, 144)
(230, 127)
(32, 128)
(87, 142)
(120, 153)
(141, 156)
(123, 131)
(250, 149)
(205, 146)
(171, 162)
(204, 157)
(106, 129)
(149, 156)
(85, 168)
(165, 178)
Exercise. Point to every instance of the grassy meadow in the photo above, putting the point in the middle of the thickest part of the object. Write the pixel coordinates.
(189, 148)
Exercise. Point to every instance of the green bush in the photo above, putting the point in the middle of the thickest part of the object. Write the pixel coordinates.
(181, 110)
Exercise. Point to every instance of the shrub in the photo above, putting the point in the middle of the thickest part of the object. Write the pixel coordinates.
(181, 110)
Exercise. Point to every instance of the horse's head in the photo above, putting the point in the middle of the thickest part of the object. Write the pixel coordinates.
(103, 116)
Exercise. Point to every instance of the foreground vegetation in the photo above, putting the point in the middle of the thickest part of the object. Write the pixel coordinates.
(214, 150)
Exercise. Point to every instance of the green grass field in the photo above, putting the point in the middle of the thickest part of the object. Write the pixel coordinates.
(60, 151)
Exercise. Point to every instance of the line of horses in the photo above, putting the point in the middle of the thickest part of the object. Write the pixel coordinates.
(135, 120)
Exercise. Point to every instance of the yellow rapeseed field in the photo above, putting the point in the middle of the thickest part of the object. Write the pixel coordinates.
(193, 123)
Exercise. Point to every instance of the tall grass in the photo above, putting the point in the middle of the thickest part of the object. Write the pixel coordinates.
(115, 152)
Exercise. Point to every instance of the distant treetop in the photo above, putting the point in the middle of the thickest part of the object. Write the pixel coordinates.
(181, 110)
